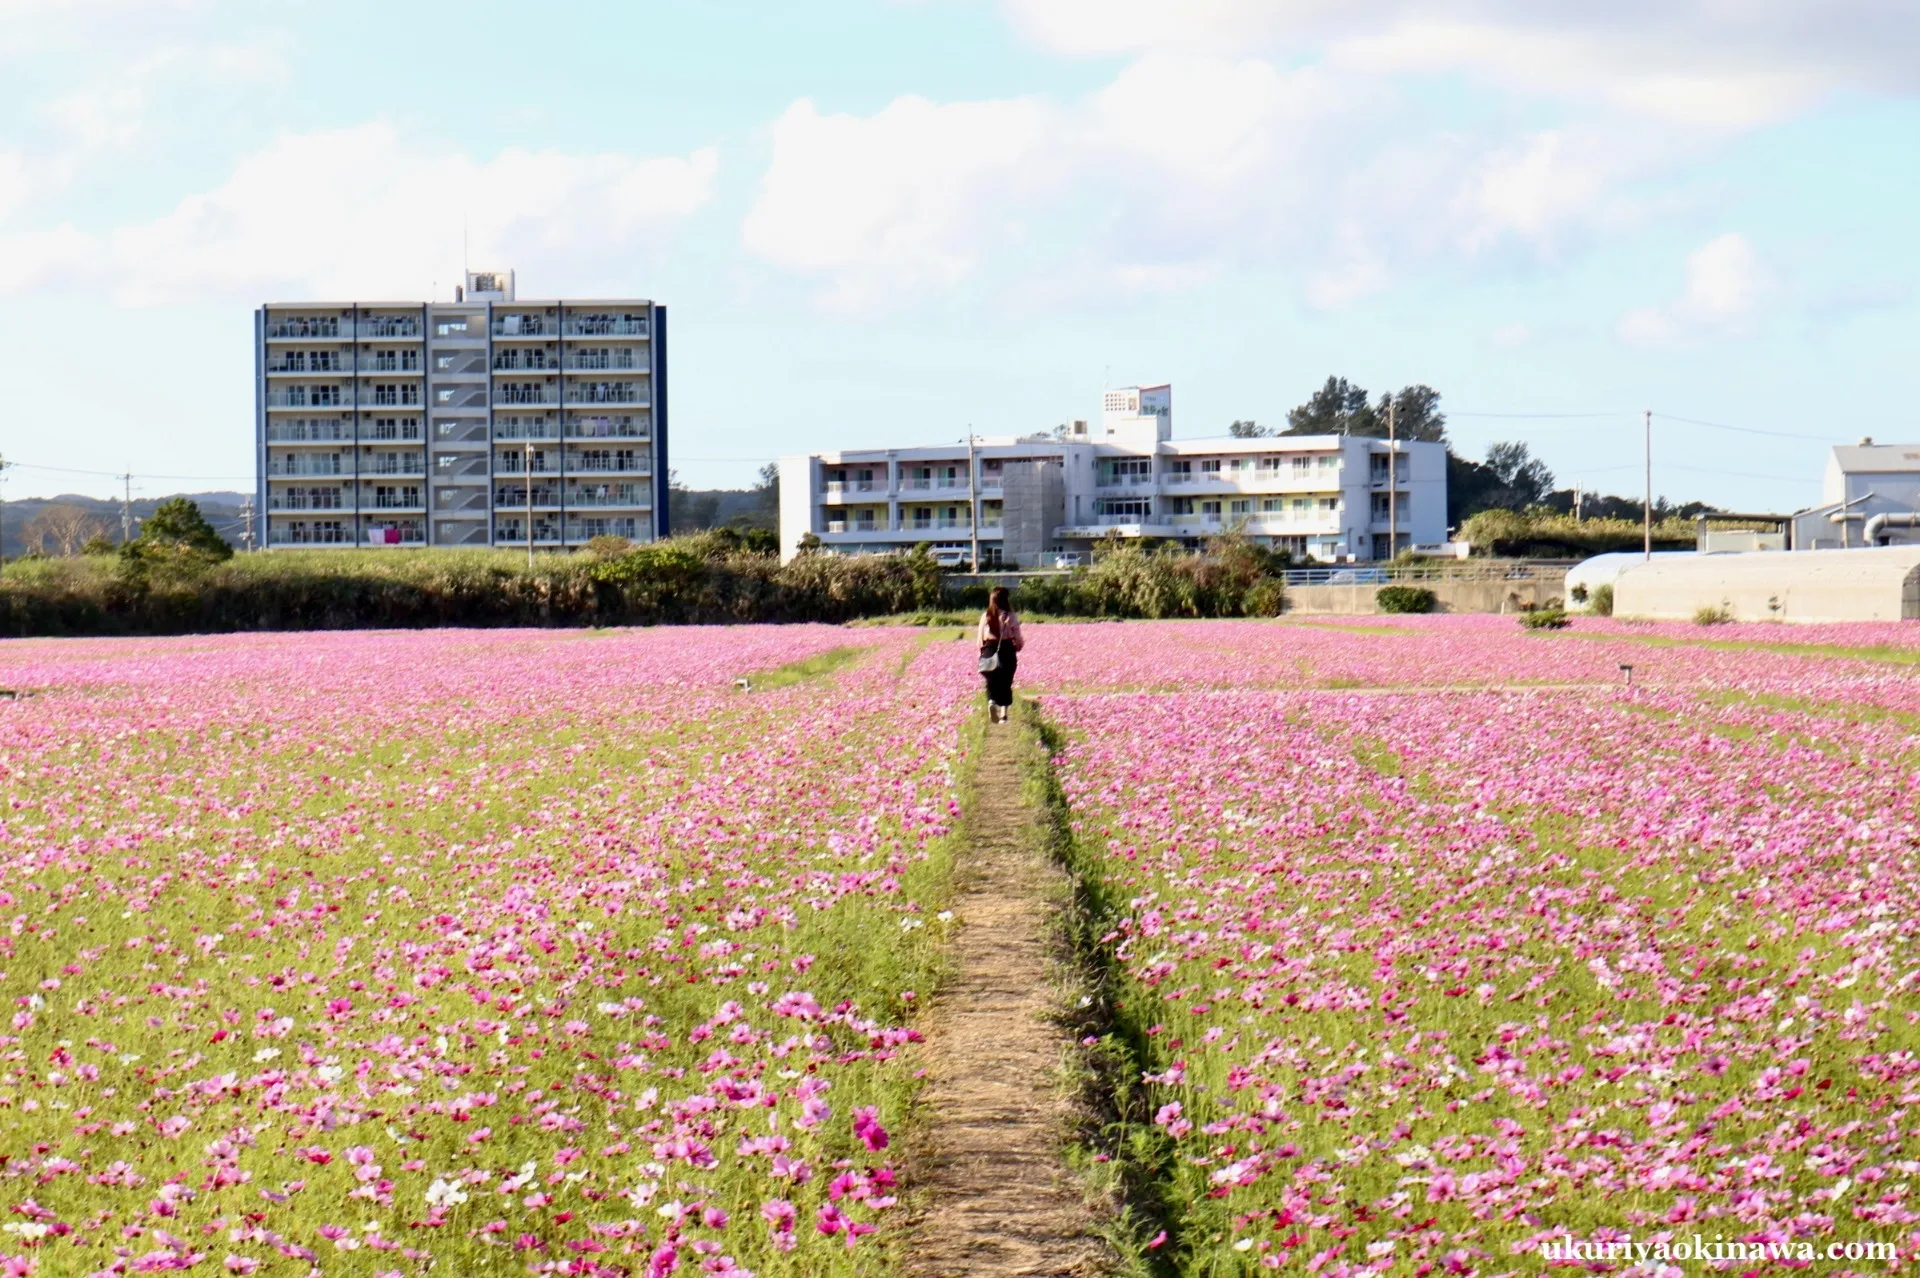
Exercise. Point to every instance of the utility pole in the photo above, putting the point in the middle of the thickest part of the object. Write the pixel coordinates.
(126, 509)
(3, 512)
(1393, 483)
(973, 501)
(529, 505)
(1646, 513)
(246, 524)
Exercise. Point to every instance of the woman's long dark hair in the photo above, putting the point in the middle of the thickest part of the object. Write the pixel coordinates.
(998, 605)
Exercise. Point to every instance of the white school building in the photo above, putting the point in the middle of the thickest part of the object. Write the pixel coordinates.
(1033, 497)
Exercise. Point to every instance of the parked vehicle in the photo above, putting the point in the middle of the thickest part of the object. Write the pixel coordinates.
(951, 558)
(1069, 559)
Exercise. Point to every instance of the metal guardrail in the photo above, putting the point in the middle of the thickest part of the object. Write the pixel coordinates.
(1411, 574)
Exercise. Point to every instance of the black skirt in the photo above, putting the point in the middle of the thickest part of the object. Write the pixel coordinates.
(1000, 682)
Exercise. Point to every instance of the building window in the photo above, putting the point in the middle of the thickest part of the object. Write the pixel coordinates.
(1239, 507)
(1210, 468)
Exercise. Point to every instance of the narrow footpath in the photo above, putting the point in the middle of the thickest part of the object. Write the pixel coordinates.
(1001, 1200)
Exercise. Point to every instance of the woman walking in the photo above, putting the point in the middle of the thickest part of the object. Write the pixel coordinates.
(1000, 643)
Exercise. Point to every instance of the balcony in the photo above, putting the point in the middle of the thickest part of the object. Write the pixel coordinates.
(306, 367)
(391, 328)
(523, 326)
(608, 495)
(308, 397)
(518, 361)
(616, 526)
(601, 361)
(605, 326)
(307, 465)
(300, 432)
(518, 396)
(383, 501)
(324, 330)
(513, 533)
(1123, 481)
(525, 430)
(390, 364)
(395, 470)
(855, 486)
(608, 393)
(307, 501)
(332, 534)
(627, 426)
(637, 466)
(510, 498)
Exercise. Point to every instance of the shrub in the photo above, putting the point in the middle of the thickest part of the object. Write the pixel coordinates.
(1405, 599)
(1600, 604)
(1712, 615)
(1544, 619)
(1579, 593)
(1266, 599)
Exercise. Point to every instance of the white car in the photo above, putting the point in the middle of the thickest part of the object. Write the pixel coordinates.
(950, 558)
(1070, 559)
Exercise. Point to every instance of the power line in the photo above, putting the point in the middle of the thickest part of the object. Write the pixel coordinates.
(1746, 430)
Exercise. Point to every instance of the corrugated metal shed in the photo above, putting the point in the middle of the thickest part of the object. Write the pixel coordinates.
(1878, 584)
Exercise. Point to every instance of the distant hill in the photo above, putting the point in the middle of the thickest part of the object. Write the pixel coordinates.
(222, 510)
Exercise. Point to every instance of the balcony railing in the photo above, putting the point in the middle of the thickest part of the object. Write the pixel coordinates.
(297, 465)
(389, 328)
(304, 502)
(587, 529)
(607, 428)
(318, 329)
(328, 432)
(308, 397)
(622, 361)
(511, 395)
(607, 495)
(383, 502)
(522, 326)
(835, 489)
(299, 535)
(607, 393)
(606, 326)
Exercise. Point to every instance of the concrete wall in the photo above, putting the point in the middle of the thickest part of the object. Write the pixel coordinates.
(1454, 596)
(1881, 584)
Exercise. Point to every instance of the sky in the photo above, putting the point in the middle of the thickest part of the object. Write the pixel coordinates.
(882, 222)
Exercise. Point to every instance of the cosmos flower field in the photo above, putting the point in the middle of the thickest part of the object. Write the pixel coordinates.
(556, 952)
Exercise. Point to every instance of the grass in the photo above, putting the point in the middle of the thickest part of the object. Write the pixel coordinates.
(814, 667)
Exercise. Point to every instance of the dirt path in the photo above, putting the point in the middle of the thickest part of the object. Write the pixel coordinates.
(1002, 1201)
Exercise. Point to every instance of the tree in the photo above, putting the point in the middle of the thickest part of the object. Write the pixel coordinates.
(1249, 430)
(1337, 408)
(1341, 408)
(63, 526)
(175, 540)
(688, 511)
(1417, 415)
(1525, 479)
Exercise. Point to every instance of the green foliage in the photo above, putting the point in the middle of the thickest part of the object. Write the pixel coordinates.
(1342, 408)
(98, 544)
(1405, 599)
(176, 542)
(1712, 615)
(1601, 602)
(1547, 534)
(1544, 619)
(704, 580)
(1233, 578)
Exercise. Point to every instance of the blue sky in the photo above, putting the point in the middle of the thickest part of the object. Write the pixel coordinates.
(884, 221)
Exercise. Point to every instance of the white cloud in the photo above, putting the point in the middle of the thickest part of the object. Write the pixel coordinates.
(1180, 168)
(362, 212)
(1702, 62)
(1725, 282)
(901, 201)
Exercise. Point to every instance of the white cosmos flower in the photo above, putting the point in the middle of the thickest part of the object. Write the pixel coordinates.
(442, 1194)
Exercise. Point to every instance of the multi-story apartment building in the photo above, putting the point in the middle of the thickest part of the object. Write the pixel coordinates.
(1327, 497)
(485, 421)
